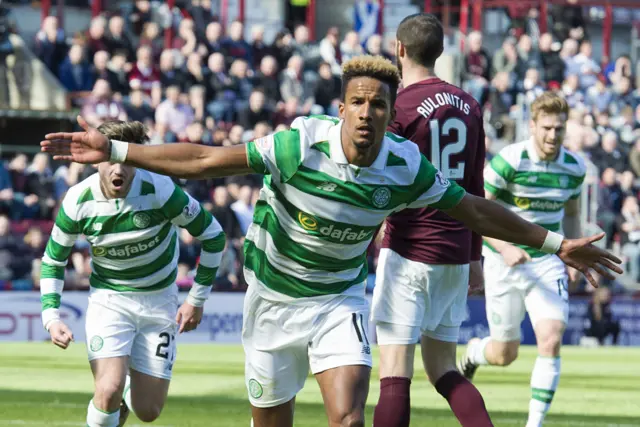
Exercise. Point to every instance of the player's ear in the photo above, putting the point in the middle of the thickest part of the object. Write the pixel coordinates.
(401, 52)
(341, 110)
(392, 116)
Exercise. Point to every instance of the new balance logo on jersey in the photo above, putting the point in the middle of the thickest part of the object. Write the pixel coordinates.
(127, 250)
(327, 186)
(366, 349)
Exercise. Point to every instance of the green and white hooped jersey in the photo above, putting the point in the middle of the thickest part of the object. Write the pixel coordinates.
(317, 213)
(134, 241)
(534, 189)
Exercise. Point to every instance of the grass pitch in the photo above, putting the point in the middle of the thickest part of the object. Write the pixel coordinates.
(41, 385)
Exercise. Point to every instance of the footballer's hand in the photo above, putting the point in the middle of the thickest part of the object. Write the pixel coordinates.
(514, 255)
(476, 278)
(60, 333)
(582, 255)
(88, 146)
(189, 317)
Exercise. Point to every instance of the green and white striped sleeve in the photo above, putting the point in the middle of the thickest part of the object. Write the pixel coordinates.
(434, 190)
(63, 236)
(279, 154)
(497, 174)
(185, 212)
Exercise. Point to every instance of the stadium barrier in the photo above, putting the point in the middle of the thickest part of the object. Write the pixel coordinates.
(222, 322)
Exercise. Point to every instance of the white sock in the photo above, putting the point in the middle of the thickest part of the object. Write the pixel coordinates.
(126, 394)
(544, 382)
(476, 351)
(98, 418)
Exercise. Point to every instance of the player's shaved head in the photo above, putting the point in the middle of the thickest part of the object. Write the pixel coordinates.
(422, 36)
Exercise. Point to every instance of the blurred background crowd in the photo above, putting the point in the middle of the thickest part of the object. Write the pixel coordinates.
(225, 85)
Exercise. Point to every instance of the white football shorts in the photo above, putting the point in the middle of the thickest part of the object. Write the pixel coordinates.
(411, 299)
(538, 287)
(283, 340)
(141, 325)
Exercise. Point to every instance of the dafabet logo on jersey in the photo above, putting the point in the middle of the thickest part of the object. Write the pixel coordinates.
(538, 205)
(125, 251)
(334, 232)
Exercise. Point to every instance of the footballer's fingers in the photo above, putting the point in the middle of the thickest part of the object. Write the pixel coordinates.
(64, 136)
(603, 271)
(56, 147)
(587, 274)
(61, 341)
(610, 265)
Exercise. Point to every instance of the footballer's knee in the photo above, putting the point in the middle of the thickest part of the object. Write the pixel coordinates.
(549, 337)
(549, 345)
(108, 394)
(148, 413)
(507, 353)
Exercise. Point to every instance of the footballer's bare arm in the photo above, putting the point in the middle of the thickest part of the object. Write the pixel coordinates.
(492, 220)
(181, 160)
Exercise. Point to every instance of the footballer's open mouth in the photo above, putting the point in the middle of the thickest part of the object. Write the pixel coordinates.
(117, 183)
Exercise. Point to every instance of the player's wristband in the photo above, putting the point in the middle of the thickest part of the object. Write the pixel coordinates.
(49, 316)
(119, 150)
(198, 295)
(552, 243)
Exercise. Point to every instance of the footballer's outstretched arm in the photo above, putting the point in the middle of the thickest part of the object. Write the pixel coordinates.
(490, 219)
(180, 160)
(189, 161)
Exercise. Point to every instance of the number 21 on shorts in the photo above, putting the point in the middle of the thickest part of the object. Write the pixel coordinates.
(162, 350)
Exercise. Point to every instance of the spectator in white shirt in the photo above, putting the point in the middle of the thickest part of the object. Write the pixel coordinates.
(173, 115)
(243, 208)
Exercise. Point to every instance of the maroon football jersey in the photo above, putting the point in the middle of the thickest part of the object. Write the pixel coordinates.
(446, 123)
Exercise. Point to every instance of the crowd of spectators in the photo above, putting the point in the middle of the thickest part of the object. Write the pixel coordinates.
(213, 85)
(226, 86)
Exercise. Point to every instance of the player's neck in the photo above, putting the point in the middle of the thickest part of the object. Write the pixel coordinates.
(359, 157)
(416, 74)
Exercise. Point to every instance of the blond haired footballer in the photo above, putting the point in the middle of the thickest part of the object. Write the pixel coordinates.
(539, 180)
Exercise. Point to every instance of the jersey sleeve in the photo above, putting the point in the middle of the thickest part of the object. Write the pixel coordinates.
(497, 174)
(54, 261)
(186, 212)
(434, 190)
(279, 154)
